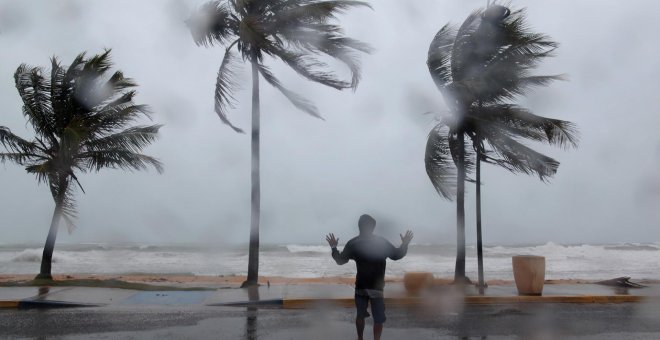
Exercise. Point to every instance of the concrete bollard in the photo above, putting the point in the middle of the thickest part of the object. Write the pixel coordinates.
(529, 273)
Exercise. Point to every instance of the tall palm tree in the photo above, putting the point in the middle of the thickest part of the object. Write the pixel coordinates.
(297, 32)
(480, 68)
(82, 117)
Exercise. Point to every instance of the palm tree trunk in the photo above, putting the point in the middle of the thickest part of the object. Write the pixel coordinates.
(480, 253)
(47, 255)
(459, 272)
(253, 257)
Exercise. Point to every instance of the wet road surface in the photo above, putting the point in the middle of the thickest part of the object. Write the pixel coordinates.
(522, 321)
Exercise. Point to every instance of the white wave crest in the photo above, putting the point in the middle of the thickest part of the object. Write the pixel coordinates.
(295, 248)
(34, 256)
(29, 255)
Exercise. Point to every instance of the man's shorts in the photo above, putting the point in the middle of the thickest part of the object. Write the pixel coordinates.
(377, 306)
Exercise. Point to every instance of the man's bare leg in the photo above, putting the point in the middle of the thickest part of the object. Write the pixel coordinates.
(359, 325)
(378, 330)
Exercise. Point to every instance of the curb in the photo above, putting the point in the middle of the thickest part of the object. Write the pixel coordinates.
(264, 303)
(350, 302)
(9, 304)
(32, 304)
(472, 300)
(555, 299)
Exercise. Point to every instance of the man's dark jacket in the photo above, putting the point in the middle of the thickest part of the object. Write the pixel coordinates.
(369, 253)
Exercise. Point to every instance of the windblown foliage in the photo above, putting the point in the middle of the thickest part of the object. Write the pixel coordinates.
(480, 67)
(297, 32)
(82, 116)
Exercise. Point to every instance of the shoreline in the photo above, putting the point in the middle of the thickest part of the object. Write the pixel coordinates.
(232, 281)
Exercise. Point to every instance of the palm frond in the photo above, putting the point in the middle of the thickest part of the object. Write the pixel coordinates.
(44, 171)
(212, 24)
(58, 89)
(322, 39)
(124, 99)
(241, 6)
(93, 92)
(518, 121)
(517, 157)
(317, 37)
(439, 56)
(68, 206)
(253, 38)
(119, 158)
(118, 82)
(76, 66)
(63, 88)
(491, 58)
(225, 86)
(523, 52)
(439, 163)
(98, 64)
(34, 90)
(133, 139)
(314, 11)
(15, 143)
(117, 114)
(500, 87)
(19, 158)
(464, 45)
(308, 67)
(297, 100)
(90, 89)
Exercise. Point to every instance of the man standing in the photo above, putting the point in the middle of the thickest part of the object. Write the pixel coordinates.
(370, 253)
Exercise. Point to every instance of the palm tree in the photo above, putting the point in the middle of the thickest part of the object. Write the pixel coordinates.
(479, 69)
(297, 32)
(82, 119)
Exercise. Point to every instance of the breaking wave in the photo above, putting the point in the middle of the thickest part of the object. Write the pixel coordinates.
(30, 255)
(296, 248)
(585, 261)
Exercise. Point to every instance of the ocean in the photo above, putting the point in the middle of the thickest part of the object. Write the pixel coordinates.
(585, 261)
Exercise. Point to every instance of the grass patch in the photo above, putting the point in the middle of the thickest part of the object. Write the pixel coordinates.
(94, 283)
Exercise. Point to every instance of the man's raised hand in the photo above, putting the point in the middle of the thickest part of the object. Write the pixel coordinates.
(405, 239)
(332, 241)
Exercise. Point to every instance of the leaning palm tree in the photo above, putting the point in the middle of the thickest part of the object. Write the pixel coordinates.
(479, 68)
(297, 32)
(82, 117)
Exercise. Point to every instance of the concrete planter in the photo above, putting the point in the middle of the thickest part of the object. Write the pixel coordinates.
(414, 282)
(529, 273)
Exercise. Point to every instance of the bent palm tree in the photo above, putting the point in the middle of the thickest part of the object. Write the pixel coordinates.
(479, 68)
(297, 32)
(82, 121)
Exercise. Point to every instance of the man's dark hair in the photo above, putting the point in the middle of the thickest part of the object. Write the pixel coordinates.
(366, 223)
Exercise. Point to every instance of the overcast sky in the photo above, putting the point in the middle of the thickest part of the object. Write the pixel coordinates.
(367, 156)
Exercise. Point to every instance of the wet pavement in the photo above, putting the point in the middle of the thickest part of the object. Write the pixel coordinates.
(444, 314)
(521, 321)
(323, 292)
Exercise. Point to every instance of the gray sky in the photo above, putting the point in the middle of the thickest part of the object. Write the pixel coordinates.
(318, 176)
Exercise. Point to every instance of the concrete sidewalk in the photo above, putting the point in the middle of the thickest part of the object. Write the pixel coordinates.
(310, 295)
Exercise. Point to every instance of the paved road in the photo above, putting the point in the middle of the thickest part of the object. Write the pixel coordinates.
(531, 321)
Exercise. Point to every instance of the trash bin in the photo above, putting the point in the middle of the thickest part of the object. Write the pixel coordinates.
(529, 273)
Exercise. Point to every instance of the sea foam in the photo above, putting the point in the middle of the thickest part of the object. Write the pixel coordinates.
(585, 261)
